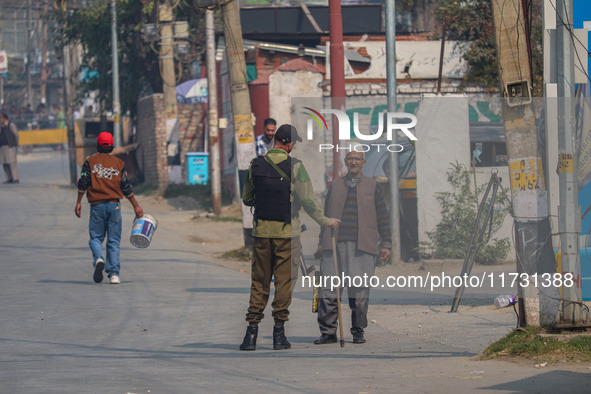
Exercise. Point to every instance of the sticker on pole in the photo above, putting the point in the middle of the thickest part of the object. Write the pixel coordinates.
(566, 163)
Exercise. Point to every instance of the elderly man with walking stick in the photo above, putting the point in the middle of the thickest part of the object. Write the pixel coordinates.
(359, 202)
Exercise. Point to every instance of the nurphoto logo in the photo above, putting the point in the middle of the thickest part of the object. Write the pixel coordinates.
(394, 121)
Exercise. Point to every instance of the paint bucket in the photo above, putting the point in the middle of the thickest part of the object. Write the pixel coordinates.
(142, 231)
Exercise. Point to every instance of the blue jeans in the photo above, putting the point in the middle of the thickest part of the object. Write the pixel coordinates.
(106, 219)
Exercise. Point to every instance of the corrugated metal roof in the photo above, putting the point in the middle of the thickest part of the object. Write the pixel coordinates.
(319, 51)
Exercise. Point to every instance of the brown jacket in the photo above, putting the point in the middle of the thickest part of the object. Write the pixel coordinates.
(103, 177)
(367, 233)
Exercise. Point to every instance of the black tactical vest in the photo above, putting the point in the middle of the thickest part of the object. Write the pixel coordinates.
(273, 193)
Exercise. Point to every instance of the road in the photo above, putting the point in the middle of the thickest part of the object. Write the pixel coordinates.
(175, 322)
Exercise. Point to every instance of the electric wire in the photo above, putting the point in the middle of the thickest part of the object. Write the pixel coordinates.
(517, 43)
(573, 37)
(530, 29)
(501, 6)
(514, 54)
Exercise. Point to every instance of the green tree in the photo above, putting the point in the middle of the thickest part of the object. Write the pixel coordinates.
(139, 72)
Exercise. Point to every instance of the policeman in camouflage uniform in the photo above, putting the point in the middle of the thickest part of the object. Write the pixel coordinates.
(277, 186)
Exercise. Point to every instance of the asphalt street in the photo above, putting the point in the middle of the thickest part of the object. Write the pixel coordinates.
(175, 322)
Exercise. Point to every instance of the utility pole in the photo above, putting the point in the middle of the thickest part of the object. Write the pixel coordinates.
(212, 109)
(538, 305)
(167, 68)
(68, 95)
(337, 75)
(115, 57)
(441, 54)
(241, 110)
(167, 61)
(29, 31)
(44, 59)
(392, 107)
(569, 211)
(74, 84)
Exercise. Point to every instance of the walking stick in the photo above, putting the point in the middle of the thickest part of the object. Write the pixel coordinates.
(336, 270)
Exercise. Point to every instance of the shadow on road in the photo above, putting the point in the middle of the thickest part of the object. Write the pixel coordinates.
(70, 282)
(553, 381)
(79, 282)
(222, 290)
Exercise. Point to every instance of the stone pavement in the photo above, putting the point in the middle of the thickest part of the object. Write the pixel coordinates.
(175, 322)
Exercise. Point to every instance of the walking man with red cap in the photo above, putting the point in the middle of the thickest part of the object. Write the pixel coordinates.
(104, 180)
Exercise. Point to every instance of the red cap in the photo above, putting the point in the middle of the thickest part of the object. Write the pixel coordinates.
(105, 139)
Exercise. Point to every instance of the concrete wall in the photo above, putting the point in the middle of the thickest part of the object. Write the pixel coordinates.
(285, 85)
(443, 138)
(285, 88)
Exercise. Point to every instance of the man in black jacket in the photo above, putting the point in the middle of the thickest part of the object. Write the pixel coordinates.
(8, 146)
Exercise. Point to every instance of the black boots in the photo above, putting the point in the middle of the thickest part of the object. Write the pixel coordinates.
(280, 342)
(250, 339)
